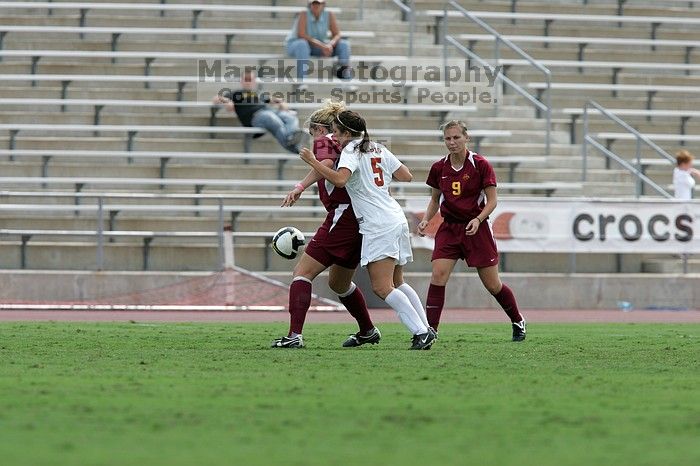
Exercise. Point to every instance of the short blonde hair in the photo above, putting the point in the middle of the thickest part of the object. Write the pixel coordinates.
(455, 124)
(327, 113)
(683, 156)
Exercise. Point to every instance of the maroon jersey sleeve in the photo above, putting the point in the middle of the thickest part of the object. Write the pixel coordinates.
(326, 148)
(434, 176)
(488, 176)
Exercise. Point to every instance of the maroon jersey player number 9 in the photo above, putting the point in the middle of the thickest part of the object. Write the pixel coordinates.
(463, 189)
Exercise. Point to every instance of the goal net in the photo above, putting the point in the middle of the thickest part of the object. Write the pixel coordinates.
(233, 289)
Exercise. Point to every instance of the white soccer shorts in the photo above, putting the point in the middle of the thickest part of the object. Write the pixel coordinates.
(395, 243)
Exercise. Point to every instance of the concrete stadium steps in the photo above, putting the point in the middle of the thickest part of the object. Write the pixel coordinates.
(126, 221)
(671, 264)
(627, 149)
(199, 171)
(655, 77)
(124, 17)
(82, 256)
(565, 6)
(594, 188)
(662, 101)
(194, 256)
(350, 8)
(200, 117)
(568, 29)
(382, 119)
(206, 44)
(53, 91)
(625, 181)
(562, 52)
(513, 147)
(96, 19)
(627, 100)
(585, 263)
(266, 144)
(293, 171)
(532, 143)
(656, 126)
(359, 47)
(46, 255)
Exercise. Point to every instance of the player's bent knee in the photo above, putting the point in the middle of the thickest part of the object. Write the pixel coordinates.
(439, 278)
(382, 290)
(493, 288)
(302, 270)
(338, 286)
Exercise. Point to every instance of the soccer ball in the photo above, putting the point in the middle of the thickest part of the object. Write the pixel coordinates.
(287, 241)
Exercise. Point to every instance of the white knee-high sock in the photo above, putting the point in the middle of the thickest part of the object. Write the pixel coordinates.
(415, 302)
(402, 305)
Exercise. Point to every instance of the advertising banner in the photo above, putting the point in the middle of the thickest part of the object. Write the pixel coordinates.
(588, 226)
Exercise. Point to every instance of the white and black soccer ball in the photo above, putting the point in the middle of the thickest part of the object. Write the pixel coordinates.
(287, 242)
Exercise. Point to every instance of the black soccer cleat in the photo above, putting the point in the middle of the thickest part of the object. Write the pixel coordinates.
(423, 341)
(289, 342)
(357, 339)
(519, 330)
(433, 331)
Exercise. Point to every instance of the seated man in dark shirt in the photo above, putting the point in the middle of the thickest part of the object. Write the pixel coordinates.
(253, 111)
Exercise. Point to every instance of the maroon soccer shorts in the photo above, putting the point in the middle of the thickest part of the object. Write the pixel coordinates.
(478, 250)
(337, 240)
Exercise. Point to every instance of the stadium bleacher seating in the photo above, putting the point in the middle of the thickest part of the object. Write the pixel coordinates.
(93, 62)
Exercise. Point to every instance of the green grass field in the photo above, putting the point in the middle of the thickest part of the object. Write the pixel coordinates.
(90, 393)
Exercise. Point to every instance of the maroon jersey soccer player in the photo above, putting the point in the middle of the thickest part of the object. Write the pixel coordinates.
(336, 244)
(464, 190)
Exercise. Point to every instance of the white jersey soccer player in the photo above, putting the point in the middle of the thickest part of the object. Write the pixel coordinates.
(366, 169)
(381, 219)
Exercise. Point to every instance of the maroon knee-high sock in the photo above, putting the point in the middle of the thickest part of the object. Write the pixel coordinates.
(507, 301)
(299, 302)
(357, 307)
(434, 304)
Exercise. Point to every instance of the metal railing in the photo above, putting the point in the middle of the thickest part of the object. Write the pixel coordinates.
(99, 233)
(499, 39)
(637, 171)
(408, 13)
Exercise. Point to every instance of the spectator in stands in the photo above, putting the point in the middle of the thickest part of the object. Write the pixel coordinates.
(309, 37)
(683, 182)
(253, 111)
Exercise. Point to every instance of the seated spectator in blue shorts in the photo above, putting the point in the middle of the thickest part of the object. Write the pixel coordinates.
(309, 37)
(253, 111)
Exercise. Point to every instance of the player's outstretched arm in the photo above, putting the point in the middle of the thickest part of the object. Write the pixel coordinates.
(311, 178)
(337, 178)
(402, 174)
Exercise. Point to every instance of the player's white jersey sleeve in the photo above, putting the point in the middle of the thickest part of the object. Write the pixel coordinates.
(349, 160)
(389, 159)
